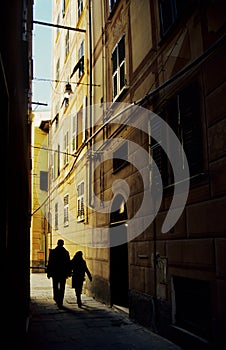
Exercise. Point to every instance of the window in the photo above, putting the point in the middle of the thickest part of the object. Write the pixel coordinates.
(56, 216)
(58, 30)
(118, 68)
(67, 44)
(170, 11)
(52, 166)
(80, 202)
(81, 59)
(57, 70)
(80, 7)
(49, 222)
(66, 148)
(182, 113)
(78, 66)
(74, 128)
(66, 210)
(119, 157)
(58, 160)
(158, 154)
(80, 137)
(112, 4)
(55, 122)
(64, 7)
(44, 180)
(79, 129)
(56, 163)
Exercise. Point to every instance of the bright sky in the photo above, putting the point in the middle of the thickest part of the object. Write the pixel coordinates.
(42, 42)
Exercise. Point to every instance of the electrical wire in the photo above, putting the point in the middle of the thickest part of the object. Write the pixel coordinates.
(200, 59)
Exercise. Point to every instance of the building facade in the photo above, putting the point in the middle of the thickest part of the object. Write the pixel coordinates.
(40, 191)
(16, 92)
(116, 65)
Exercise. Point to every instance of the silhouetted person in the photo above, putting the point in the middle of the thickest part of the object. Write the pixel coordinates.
(59, 269)
(79, 269)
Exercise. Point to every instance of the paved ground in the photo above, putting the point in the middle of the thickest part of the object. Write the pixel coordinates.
(93, 327)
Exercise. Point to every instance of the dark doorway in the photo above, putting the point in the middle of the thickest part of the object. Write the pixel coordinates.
(193, 309)
(119, 255)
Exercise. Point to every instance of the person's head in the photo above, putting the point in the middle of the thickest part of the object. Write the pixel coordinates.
(60, 242)
(79, 254)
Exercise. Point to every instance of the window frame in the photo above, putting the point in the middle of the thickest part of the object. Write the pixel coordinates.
(80, 201)
(66, 148)
(112, 4)
(66, 210)
(44, 180)
(74, 133)
(177, 121)
(80, 55)
(67, 44)
(56, 163)
(57, 70)
(56, 216)
(120, 65)
(80, 8)
(176, 13)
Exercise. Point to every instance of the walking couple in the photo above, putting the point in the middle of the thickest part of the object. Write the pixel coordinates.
(60, 267)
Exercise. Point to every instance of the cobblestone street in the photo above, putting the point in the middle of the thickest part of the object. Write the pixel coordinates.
(94, 326)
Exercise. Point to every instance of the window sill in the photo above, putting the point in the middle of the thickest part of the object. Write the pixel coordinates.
(81, 219)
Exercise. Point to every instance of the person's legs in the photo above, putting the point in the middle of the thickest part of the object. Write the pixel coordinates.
(55, 290)
(79, 301)
(61, 291)
(78, 292)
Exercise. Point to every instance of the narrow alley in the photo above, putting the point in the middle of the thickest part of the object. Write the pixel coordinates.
(94, 326)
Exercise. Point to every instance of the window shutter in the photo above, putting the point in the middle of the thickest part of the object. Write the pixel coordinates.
(158, 154)
(44, 180)
(191, 128)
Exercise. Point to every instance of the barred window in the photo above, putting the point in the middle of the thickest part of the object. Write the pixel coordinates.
(66, 210)
(80, 202)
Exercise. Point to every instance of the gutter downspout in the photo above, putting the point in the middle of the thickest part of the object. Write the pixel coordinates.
(90, 101)
(154, 322)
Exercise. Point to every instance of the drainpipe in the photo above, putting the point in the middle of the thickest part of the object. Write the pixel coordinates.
(90, 100)
(154, 300)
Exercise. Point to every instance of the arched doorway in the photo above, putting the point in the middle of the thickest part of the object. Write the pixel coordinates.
(119, 255)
